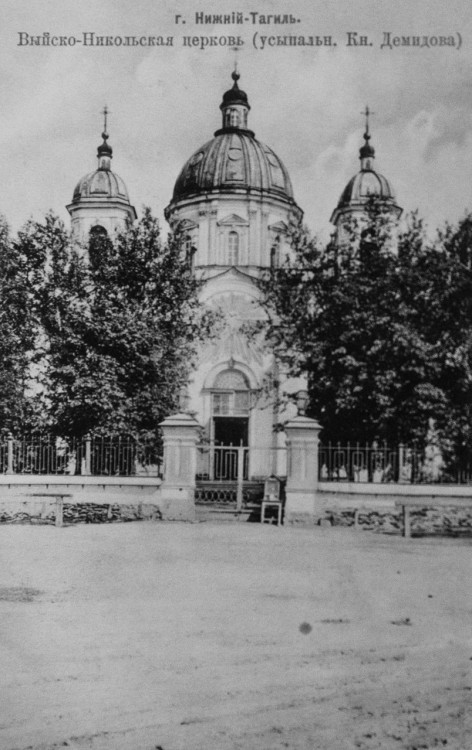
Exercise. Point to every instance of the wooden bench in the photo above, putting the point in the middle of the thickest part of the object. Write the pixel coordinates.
(59, 497)
(374, 508)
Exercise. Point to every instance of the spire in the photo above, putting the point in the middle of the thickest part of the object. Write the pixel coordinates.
(235, 106)
(366, 152)
(104, 151)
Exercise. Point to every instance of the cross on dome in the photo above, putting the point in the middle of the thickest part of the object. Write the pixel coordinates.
(105, 114)
(104, 151)
(366, 152)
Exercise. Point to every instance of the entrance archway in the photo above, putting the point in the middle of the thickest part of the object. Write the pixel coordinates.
(230, 404)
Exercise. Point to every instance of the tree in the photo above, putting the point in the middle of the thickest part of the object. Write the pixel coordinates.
(121, 323)
(17, 336)
(455, 244)
(374, 326)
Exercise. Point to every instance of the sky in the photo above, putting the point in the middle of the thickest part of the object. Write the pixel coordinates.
(306, 102)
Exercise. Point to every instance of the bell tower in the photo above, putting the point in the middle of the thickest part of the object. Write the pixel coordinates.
(366, 185)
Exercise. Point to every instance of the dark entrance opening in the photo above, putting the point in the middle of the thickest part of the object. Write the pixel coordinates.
(229, 431)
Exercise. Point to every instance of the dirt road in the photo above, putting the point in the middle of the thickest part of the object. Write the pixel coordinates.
(220, 637)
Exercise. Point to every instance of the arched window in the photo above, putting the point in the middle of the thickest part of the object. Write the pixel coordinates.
(98, 231)
(234, 117)
(99, 245)
(190, 251)
(275, 253)
(230, 394)
(233, 249)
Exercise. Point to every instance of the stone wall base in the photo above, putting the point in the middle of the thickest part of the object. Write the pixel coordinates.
(423, 521)
(74, 513)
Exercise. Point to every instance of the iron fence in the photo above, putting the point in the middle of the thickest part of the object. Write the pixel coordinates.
(381, 463)
(230, 476)
(115, 455)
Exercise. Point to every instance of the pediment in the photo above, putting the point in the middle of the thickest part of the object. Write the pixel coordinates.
(280, 227)
(232, 220)
(186, 225)
(234, 273)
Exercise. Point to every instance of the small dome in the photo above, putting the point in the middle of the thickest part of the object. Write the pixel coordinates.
(103, 183)
(367, 183)
(105, 149)
(234, 95)
(364, 185)
(230, 161)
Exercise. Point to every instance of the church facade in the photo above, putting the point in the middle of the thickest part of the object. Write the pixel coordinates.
(234, 202)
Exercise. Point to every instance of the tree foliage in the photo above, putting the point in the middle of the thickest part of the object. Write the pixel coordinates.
(120, 325)
(17, 335)
(382, 330)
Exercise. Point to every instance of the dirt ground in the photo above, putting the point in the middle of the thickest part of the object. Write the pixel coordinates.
(216, 637)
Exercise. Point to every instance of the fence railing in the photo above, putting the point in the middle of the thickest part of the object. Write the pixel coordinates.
(116, 455)
(380, 463)
(127, 455)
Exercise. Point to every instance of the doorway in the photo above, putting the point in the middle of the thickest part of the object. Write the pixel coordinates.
(230, 448)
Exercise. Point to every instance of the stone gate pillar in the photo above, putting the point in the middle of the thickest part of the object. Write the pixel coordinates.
(302, 469)
(181, 434)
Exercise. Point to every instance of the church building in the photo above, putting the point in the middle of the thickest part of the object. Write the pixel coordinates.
(235, 204)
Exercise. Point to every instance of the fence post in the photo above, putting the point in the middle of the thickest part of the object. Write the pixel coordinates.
(180, 433)
(211, 472)
(10, 454)
(240, 477)
(302, 474)
(88, 457)
(401, 461)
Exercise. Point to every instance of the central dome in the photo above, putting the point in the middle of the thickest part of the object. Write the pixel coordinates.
(230, 161)
(234, 160)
